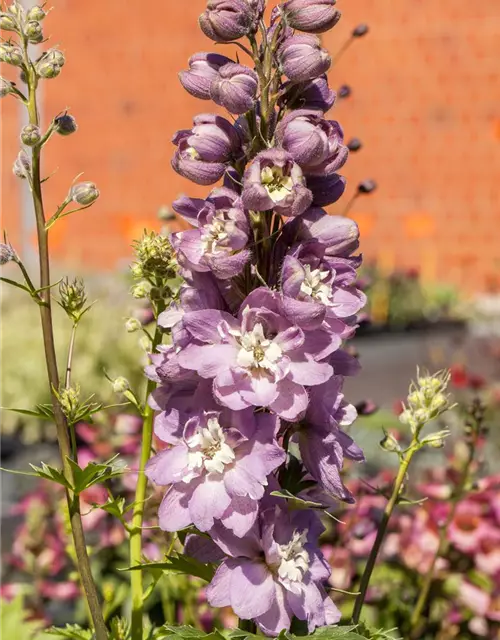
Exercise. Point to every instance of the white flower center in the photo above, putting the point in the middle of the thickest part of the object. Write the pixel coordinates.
(294, 558)
(277, 185)
(208, 450)
(257, 351)
(214, 234)
(192, 153)
(314, 285)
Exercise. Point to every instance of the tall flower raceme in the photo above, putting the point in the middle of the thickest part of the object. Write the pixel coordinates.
(255, 362)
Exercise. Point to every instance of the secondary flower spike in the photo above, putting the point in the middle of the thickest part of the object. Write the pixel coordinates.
(312, 16)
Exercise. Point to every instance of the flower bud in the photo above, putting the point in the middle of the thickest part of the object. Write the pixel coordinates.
(235, 88)
(302, 58)
(121, 384)
(84, 193)
(69, 399)
(344, 91)
(22, 166)
(155, 257)
(5, 87)
(141, 290)
(389, 442)
(50, 64)
(203, 69)
(314, 95)
(132, 325)
(367, 186)
(311, 16)
(360, 31)
(36, 13)
(227, 20)
(65, 125)
(33, 31)
(72, 297)
(30, 135)
(354, 144)
(8, 23)
(7, 253)
(11, 54)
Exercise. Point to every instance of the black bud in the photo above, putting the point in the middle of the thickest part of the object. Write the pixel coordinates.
(344, 91)
(367, 186)
(354, 144)
(360, 31)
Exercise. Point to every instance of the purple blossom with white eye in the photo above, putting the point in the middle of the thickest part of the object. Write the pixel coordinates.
(257, 359)
(322, 443)
(312, 95)
(217, 471)
(274, 573)
(227, 20)
(235, 88)
(311, 16)
(203, 69)
(203, 152)
(218, 243)
(274, 181)
(302, 58)
(314, 143)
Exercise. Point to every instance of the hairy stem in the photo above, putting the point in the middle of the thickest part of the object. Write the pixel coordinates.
(136, 582)
(73, 501)
(389, 508)
(415, 620)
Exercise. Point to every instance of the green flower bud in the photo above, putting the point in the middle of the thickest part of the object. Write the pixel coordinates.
(72, 297)
(136, 270)
(155, 255)
(50, 64)
(145, 344)
(36, 13)
(11, 54)
(22, 166)
(389, 443)
(65, 125)
(30, 135)
(69, 400)
(5, 87)
(120, 385)
(132, 325)
(141, 290)
(55, 56)
(8, 23)
(439, 403)
(33, 31)
(84, 193)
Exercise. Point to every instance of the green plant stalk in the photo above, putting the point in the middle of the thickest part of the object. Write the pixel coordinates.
(406, 458)
(415, 626)
(136, 582)
(73, 501)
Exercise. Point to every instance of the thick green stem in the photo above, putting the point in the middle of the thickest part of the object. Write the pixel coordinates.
(372, 559)
(73, 501)
(136, 582)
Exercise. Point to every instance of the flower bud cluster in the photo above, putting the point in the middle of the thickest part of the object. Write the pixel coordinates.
(427, 400)
(50, 64)
(25, 23)
(72, 297)
(154, 257)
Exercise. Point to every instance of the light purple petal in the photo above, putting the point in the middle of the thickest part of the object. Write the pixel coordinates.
(278, 617)
(241, 515)
(173, 514)
(239, 481)
(292, 400)
(252, 590)
(219, 590)
(209, 501)
(168, 466)
(208, 360)
(309, 372)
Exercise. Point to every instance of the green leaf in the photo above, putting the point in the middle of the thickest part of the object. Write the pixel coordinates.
(114, 506)
(95, 473)
(51, 473)
(39, 412)
(178, 564)
(72, 631)
(187, 633)
(15, 618)
(345, 632)
(15, 284)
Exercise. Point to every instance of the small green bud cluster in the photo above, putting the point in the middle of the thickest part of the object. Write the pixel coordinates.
(132, 325)
(72, 298)
(84, 193)
(6, 87)
(154, 257)
(30, 135)
(69, 399)
(11, 54)
(26, 24)
(389, 443)
(427, 400)
(50, 64)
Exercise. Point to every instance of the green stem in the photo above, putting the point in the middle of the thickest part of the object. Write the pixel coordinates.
(415, 625)
(136, 582)
(73, 501)
(372, 559)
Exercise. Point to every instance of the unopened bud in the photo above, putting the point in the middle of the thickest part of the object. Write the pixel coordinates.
(36, 13)
(73, 297)
(354, 144)
(8, 23)
(344, 91)
(136, 270)
(145, 344)
(22, 166)
(69, 400)
(33, 31)
(11, 54)
(30, 135)
(50, 64)
(141, 290)
(84, 193)
(154, 256)
(132, 325)
(439, 403)
(65, 125)
(7, 253)
(389, 443)
(5, 87)
(120, 385)
(360, 31)
(438, 443)
(367, 186)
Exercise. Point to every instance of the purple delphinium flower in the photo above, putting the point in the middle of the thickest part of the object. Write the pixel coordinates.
(314, 143)
(204, 151)
(235, 88)
(322, 443)
(302, 58)
(227, 20)
(217, 470)
(274, 181)
(218, 243)
(257, 359)
(275, 573)
(326, 189)
(312, 95)
(312, 16)
(203, 69)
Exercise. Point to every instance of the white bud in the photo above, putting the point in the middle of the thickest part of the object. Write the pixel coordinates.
(132, 325)
(120, 385)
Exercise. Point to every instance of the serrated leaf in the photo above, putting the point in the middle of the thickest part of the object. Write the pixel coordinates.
(52, 474)
(178, 564)
(344, 632)
(187, 633)
(72, 631)
(114, 506)
(95, 473)
(15, 618)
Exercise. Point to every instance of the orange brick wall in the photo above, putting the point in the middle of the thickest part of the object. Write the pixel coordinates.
(425, 103)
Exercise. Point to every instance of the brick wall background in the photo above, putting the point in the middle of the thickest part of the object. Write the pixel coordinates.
(425, 103)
